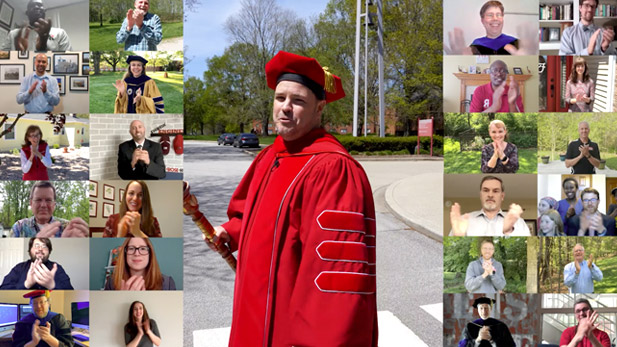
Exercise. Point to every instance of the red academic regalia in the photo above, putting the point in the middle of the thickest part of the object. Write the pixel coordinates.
(303, 221)
(38, 171)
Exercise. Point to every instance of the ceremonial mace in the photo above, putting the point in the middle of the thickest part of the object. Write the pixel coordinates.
(191, 207)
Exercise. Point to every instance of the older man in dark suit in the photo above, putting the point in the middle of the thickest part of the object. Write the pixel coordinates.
(139, 158)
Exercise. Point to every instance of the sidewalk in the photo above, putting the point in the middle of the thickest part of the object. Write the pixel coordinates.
(414, 191)
(71, 166)
(559, 167)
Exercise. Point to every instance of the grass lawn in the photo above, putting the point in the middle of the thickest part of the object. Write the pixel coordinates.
(103, 93)
(104, 38)
(609, 270)
(456, 161)
(454, 282)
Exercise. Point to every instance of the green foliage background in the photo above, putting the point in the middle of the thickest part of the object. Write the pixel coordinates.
(232, 93)
(71, 200)
(460, 251)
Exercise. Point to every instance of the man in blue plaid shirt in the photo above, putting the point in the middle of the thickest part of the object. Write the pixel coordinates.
(141, 31)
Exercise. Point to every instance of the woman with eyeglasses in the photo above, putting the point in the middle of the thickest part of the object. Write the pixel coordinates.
(580, 88)
(141, 330)
(136, 218)
(138, 269)
(35, 155)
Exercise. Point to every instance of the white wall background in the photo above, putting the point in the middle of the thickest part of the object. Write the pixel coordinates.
(72, 253)
(70, 15)
(466, 15)
(108, 131)
(112, 308)
(550, 185)
(71, 102)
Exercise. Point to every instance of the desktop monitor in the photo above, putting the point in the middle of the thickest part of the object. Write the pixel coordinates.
(24, 310)
(8, 316)
(80, 315)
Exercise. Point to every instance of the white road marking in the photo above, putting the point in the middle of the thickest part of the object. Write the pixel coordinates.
(392, 332)
(435, 310)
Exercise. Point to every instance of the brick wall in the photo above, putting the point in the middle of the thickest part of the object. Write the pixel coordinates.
(108, 131)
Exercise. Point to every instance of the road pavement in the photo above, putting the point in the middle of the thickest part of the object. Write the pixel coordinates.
(409, 264)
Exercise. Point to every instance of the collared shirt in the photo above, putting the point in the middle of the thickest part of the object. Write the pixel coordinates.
(144, 39)
(583, 166)
(583, 282)
(39, 102)
(481, 225)
(493, 283)
(482, 99)
(575, 40)
(28, 227)
(58, 40)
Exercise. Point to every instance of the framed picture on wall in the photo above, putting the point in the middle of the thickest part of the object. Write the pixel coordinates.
(93, 189)
(85, 58)
(5, 54)
(66, 63)
(78, 83)
(4, 32)
(23, 55)
(48, 64)
(6, 14)
(108, 209)
(85, 69)
(93, 205)
(12, 73)
(61, 83)
(108, 192)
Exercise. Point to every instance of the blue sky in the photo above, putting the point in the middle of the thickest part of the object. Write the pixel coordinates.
(204, 34)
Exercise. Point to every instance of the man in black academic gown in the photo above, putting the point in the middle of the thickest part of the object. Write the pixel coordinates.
(486, 331)
(42, 327)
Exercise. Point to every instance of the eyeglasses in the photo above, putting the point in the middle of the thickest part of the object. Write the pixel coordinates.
(34, 135)
(39, 246)
(499, 71)
(141, 250)
(590, 200)
(587, 6)
(43, 201)
(493, 15)
(581, 310)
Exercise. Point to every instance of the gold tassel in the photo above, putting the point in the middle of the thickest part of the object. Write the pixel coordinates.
(330, 85)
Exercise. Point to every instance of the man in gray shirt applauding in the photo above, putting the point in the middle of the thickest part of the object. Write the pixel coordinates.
(584, 38)
(485, 275)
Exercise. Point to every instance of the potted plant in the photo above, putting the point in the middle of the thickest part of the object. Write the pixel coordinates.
(602, 164)
(545, 159)
(562, 156)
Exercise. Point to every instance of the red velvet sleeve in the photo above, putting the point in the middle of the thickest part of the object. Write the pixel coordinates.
(235, 211)
(333, 302)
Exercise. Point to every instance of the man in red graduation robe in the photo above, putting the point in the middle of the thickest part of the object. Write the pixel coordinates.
(303, 222)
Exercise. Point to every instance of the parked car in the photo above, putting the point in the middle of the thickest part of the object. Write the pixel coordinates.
(225, 139)
(249, 140)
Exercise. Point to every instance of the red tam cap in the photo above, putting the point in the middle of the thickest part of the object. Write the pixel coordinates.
(306, 71)
(37, 293)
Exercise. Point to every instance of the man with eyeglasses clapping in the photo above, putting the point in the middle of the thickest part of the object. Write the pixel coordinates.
(500, 95)
(591, 222)
(43, 223)
(38, 272)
